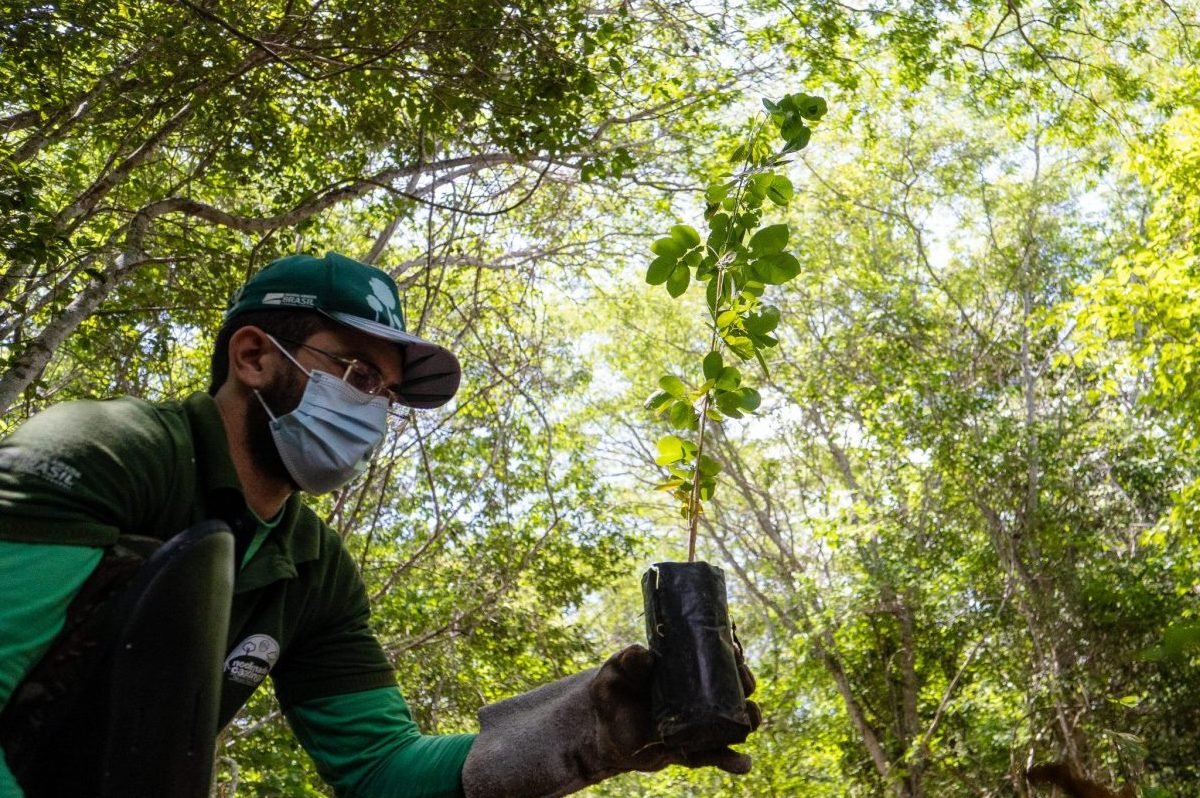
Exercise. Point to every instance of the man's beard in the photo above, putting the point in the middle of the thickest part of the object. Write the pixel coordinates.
(282, 395)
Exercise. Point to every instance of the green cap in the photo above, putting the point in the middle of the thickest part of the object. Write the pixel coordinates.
(359, 296)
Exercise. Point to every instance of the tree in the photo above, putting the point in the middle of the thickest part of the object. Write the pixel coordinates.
(976, 546)
(954, 537)
(123, 177)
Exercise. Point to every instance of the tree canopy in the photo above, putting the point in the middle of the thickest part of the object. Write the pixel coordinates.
(960, 531)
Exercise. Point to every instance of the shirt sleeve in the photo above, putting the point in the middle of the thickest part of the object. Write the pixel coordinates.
(37, 584)
(85, 472)
(366, 745)
(334, 650)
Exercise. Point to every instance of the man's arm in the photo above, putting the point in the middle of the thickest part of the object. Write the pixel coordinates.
(546, 743)
(366, 745)
(339, 694)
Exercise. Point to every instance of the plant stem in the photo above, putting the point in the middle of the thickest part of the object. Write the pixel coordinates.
(694, 498)
(722, 265)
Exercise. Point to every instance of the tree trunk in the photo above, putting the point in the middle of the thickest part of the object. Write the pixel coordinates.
(25, 367)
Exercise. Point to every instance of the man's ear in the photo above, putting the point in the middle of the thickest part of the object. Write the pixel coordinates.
(252, 357)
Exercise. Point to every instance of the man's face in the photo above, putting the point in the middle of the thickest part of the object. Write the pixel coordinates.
(325, 351)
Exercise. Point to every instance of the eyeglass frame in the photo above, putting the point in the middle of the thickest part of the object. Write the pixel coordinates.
(351, 363)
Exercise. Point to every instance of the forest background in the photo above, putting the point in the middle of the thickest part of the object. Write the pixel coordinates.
(961, 535)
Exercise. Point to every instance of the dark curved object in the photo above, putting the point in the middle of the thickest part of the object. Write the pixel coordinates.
(164, 690)
(696, 698)
(146, 721)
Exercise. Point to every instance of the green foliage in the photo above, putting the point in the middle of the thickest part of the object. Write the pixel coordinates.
(737, 260)
(961, 535)
(968, 524)
(150, 151)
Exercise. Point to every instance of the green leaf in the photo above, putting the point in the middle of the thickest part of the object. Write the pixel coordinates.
(669, 247)
(769, 240)
(681, 414)
(660, 269)
(759, 184)
(679, 279)
(764, 321)
(749, 399)
(716, 192)
(710, 294)
(708, 487)
(729, 378)
(742, 346)
(657, 400)
(685, 235)
(790, 103)
(682, 471)
(796, 136)
(709, 466)
(813, 108)
(718, 224)
(764, 341)
(712, 365)
(763, 363)
(725, 318)
(670, 450)
(781, 191)
(777, 269)
(673, 386)
(729, 404)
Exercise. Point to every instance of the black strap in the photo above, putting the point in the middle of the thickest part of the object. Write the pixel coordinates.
(125, 701)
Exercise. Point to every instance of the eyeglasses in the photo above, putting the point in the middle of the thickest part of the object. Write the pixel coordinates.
(359, 375)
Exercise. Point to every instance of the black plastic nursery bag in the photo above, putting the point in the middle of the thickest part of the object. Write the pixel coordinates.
(697, 697)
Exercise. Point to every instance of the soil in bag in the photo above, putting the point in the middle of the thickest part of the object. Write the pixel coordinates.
(697, 697)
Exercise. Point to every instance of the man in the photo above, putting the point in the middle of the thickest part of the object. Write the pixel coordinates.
(312, 353)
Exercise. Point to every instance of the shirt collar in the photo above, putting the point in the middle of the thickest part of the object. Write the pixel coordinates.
(292, 541)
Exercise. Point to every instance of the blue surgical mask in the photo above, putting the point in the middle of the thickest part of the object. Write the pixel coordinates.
(332, 434)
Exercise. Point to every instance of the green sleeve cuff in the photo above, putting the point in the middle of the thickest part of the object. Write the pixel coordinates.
(366, 745)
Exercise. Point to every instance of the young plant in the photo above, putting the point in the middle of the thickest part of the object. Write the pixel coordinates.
(737, 261)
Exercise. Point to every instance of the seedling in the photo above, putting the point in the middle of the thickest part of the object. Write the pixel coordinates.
(737, 261)
(697, 695)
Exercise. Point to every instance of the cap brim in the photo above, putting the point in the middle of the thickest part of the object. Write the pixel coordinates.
(431, 372)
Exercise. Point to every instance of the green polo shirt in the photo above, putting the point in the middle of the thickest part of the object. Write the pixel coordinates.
(83, 473)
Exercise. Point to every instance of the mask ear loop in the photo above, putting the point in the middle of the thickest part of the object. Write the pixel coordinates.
(263, 402)
(289, 356)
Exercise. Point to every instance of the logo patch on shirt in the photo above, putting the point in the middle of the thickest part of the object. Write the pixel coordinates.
(251, 660)
(50, 469)
(281, 298)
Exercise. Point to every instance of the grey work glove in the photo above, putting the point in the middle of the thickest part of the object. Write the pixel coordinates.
(581, 730)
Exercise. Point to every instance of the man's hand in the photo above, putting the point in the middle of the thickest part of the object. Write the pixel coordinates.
(580, 730)
(626, 732)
